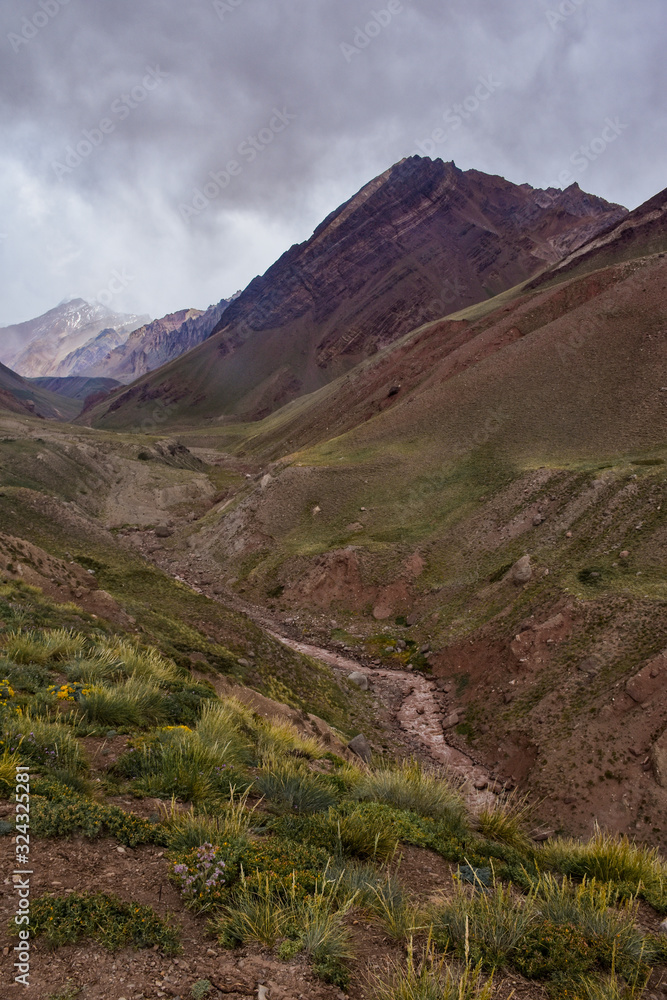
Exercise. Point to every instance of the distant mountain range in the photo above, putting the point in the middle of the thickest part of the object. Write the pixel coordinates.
(41, 346)
(157, 343)
(77, 339)
(421, 241)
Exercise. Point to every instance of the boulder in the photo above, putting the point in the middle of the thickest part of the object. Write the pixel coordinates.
(360, 679)
(361, 747)
(163, 532)
(522, 571)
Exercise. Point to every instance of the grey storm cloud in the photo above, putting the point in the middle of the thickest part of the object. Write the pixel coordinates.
(186, 145)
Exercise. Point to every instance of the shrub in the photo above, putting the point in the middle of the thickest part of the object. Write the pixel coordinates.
(292, 788)
(202, 881)
(105, 918)
(73, 815)
(25, 677)
(410, 787)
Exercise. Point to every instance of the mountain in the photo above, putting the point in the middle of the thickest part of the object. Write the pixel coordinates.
(417, 243)
(20, 396)
(490, 490)
(85, 358)
(38, 346)
(75, 387)
(155, 344)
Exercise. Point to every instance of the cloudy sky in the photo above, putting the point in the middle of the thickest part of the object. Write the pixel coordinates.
(160, 153)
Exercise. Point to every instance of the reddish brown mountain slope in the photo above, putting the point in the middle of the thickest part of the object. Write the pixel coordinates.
(417, 243)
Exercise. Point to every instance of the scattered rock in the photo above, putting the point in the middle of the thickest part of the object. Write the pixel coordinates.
(401, 644)
(361, 747)
(539, 836)
(163, 532)
(480, 784)
(361, 680)
(662, 929)
(568, 534)
(624, 554)
(537, 520)
(522, 571)
(451, 721)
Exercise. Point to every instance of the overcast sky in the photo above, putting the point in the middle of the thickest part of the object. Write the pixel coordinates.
(114, 113)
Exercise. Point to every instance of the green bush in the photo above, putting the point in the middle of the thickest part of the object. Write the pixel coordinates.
(73, 815)
(105, 918)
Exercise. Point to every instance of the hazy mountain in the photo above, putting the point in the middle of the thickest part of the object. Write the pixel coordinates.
(156, 343)
(37, 347)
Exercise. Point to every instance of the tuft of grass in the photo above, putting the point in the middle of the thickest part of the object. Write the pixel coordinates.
(282, 738)
(258, 913)
(191, 829)
(28, 646)
(291, 787)
(429, 978)
(607, 858)
(228, 726)
(389, 901)
(44, 743)
(504, 822)
(411, 787)
(487, 925)
(590, 906)
(8, 763)
(134, 703)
